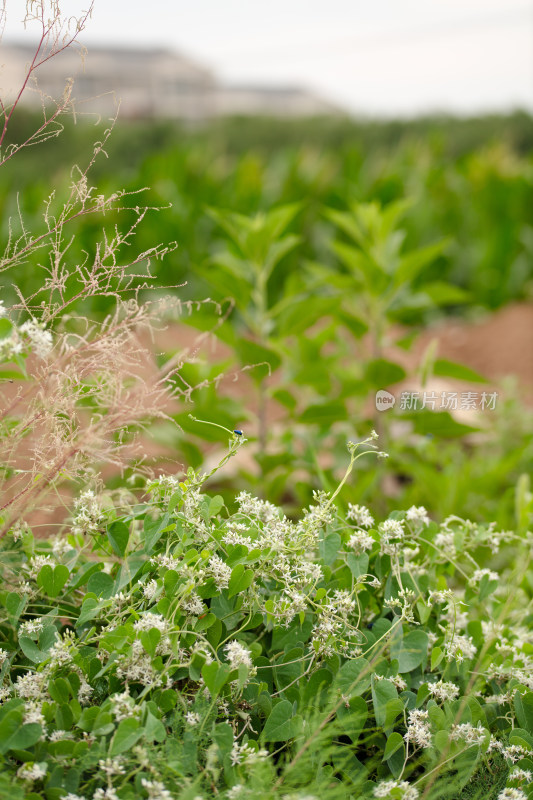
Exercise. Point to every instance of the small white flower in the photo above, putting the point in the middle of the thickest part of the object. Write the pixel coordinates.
(360, 541)
(105, 794)
(443, 690)
(150, 590)
(360, 515)
(418, 730)
(512, 794)
(220, 571)
(245, 754)
(521, 775)
(156, 790)
(40, 339)
(192, 718)
(112, 766)
(32, 771)
(467, 733)
(480, 573)
(149, 621)
(193, 604)
(417, 515)
(237, 654)
(385, 788)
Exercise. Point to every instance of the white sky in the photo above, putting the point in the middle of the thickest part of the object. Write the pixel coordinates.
(381, 57)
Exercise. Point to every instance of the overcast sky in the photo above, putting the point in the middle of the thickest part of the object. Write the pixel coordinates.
(371, 56)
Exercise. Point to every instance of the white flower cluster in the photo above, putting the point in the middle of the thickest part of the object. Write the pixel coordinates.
(245, 754)
(480, 573)
(123, 706)
(256, 508)
(459, 648)
(510, 793)
(219, 571)
(386, 788)
(391, 536)
(443, 690)
(238, 654)
(136, 664)
(192, 718)
(31, 628)
(63, 649)
(30, 685)
(36, 563)
(418, 730)
(41, 340)
(32, 771)
(360, 515)
(360, 541)
(315, 518)
(88, 517)
(105, 794)
(521, 775)
(397, 680)
(150, 589)
(193, 604)
(156, 790)
(234, 535)
(149, 621)
(467, 733)
(417, 515)
(333, 633)
(112, 766)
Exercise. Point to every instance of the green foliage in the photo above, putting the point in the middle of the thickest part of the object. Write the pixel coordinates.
(184, 649)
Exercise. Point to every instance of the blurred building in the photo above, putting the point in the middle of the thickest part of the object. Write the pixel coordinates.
(146, 83)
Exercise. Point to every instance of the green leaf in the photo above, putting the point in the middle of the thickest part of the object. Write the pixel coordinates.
(446, 294)
(118, 534)
(101, 584)
(438, 423)
(358, 564)
(383, 692)
(381, 373)
(324, 414)
(394, 743)
(12, 374)
(264, 360)
(215, 676)
(153, 530)
(154, 729)
(350, 680)
(451, 369)
(281, 725)
(14, 734)
(126, 735)
(89, 610)
(15, 606)
(413, 263)
(437, 655)
(32, 651)
(52, 579)
(524, 710)
(215, 505)
(6, 328)
(150, 639)
(240, 580)
(410, 651)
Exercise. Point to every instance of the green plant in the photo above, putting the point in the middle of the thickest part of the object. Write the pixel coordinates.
(164, 647)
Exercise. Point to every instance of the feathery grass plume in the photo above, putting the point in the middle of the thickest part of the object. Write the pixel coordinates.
(80, 387)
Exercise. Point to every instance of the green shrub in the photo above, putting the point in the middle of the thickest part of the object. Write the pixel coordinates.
(164, 647)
